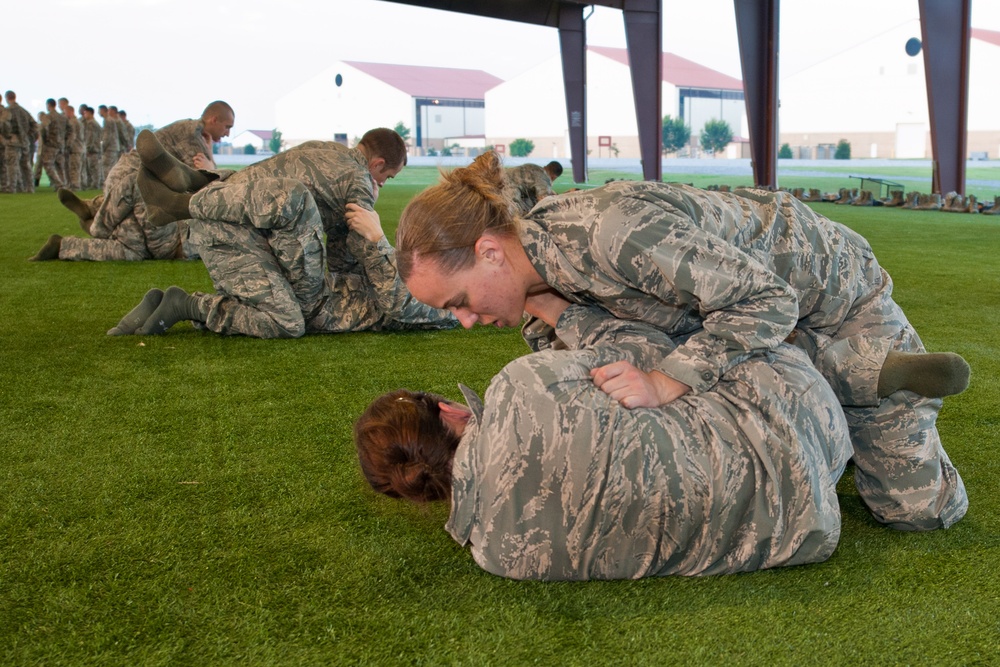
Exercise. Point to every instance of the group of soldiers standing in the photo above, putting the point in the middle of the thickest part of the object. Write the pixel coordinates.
(76, 152)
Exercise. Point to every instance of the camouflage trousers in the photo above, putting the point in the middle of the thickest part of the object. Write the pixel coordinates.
(263, 245)
(108, 160)
(27, 158)
(74, 165)
(902, 471)
(48, 160)
(94, 179)
(11, 167)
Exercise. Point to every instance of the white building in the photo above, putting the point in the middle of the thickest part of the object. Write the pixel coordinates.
(441, 106)
(533, 104)
(259, 139)
(874, 95)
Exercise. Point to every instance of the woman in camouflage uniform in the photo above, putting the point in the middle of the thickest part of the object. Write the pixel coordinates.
(551, 479)
(736, 274)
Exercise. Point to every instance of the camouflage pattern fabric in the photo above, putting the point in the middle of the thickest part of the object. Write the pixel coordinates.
(110, 146)
(736, 273)
(262, 243)
(120, 220)
(92, 143)
(121, 217)
(335, 177)
(10, 152)
(27, 128)
(554, 480)
(526, 185)
(129, 135)
(184, 139)
(52, 133)
(74, 149)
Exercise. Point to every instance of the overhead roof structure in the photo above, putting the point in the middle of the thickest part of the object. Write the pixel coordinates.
(945, 27)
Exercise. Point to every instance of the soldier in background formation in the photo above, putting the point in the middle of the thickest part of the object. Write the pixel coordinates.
(110, 139)
(116, 220)
(93, 173)
(74, 149)
(53, 143)
(72, 145)
(19, 146)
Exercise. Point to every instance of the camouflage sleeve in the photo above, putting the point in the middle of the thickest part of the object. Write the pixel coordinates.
(378, 261)
(745, 307)
(69, 133)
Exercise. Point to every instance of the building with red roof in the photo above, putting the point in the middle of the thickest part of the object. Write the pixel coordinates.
(532, 105)
(439, 105)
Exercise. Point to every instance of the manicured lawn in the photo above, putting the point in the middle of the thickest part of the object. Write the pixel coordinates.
(194, 499)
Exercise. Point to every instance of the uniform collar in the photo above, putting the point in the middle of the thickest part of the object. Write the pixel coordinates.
(550, 261)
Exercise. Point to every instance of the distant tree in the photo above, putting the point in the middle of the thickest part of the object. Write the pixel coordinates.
(275, 143)
(147, 126)
(613, 148)
(785, 152)
(676, 134)
(249, 149)
(715, 136)
(402, 131)
(843, 150)
(521, 147)
(448, 151)
(432, 151)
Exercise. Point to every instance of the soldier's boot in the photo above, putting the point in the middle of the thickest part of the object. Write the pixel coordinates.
(953, 202)
(798, 193)
(934, 375)
(897, 198)
(163, 205)
(175, 306)
(931, 202)
(912, 199)
(172, 172)
(78, 206)
(864, 198)
(993, 210)
(971, 204)
(138, 315)
(49, 251)
(814, 195)
(725, 188)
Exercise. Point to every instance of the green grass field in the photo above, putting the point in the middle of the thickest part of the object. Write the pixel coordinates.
(195, 500)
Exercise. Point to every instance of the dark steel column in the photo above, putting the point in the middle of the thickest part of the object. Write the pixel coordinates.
(573, 46)
(946, 26)
(757, 28)
(644, 34)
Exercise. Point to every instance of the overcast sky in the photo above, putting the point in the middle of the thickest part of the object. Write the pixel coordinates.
(165, 59)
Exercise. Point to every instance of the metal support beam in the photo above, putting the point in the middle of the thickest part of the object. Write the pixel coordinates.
(945, 26)
(573, 46)
(757, 28)
(644, 35)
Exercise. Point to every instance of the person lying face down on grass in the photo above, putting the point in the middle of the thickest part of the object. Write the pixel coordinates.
(551, 478)
(261, 237)
(735, 274)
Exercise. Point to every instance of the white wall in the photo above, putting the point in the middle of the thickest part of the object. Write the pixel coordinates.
(872, 87)
(318, 109)
(533, 105)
